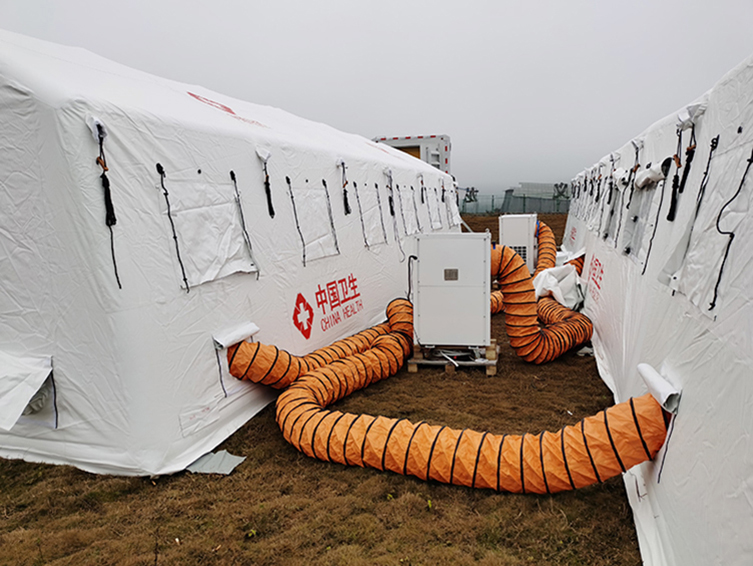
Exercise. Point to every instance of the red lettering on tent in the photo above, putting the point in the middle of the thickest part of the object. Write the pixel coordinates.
(303, 316)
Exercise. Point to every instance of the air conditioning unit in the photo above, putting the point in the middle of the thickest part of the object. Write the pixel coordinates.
(452, 283)
(518, 231)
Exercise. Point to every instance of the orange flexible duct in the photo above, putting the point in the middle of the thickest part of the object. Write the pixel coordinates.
(547, 255)
(578, 263)
(595, 449)
(546, 258)
(277, 368)
(529, 340)
(497, 303)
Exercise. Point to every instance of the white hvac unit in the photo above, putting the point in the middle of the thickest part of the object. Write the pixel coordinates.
(518, 231)
(451, 301)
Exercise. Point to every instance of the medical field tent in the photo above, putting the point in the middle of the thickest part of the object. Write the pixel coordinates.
(147, 225)
(667, 226)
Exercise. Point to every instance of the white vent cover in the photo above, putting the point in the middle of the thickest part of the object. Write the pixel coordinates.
(518, 231)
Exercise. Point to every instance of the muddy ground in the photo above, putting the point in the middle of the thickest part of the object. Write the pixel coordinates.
(280, 507)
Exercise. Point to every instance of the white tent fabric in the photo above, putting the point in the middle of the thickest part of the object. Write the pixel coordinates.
(126, 298)
(677, 294)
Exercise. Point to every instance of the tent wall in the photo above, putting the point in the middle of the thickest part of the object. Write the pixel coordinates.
(139, 387)
(650, 291)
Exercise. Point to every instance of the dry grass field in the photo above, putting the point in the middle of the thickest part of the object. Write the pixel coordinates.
(280, 507)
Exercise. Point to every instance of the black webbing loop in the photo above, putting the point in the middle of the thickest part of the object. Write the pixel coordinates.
(346, 204)
(246, 237)
(162, 174)
(704, 183)
(675, 180)
(443, 191)
(730, 233)
(666, 164)
(331, 218)
(268, 191)
(689, 154)
(381, 213)
(54, 391)
(110, 219)
(295, 217)
(360, 214)
(666, 447)
(400, 206)
(415, 208)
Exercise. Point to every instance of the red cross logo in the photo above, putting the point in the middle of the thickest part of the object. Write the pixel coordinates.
(303, 316)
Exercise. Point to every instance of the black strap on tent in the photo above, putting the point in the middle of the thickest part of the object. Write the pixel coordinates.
(689, 154)
(631, 184)
(415, 208)
(246, 237)
(268, 191)
(400, 206)
(162, 175)
(331, 218)
(54, 391)
(360, 214)
(110, 219)
(443, 194)
(381, 213)
(665, 166)
(730, 233)
(394, 221)
(346, 204)
(295, 217)
(423, 192)
(676, 179)
(666, 447)
(704, 183)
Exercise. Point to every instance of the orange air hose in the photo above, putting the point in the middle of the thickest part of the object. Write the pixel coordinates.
(272, 366)
(594, 450)
(577, 263)
(529, 340)
(546, 258)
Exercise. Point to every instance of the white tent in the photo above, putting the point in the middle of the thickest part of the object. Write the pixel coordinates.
(670, 284)
(114, 308)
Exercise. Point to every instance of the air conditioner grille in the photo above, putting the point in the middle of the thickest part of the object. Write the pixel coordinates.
(522, 251)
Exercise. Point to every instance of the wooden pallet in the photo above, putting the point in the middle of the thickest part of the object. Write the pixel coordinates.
(489, 361)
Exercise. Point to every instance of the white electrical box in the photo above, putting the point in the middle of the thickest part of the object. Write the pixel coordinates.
(518, 231)
(452, 282)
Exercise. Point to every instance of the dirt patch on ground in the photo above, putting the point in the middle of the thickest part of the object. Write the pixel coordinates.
(280, 507)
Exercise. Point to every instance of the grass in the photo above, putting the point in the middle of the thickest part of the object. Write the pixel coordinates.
(280, 507)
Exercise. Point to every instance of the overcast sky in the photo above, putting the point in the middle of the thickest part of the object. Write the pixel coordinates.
(527, 90)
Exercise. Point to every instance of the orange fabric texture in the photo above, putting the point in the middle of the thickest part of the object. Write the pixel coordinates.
(529, 340)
